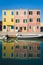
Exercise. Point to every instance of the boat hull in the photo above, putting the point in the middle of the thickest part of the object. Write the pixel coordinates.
(27, 38)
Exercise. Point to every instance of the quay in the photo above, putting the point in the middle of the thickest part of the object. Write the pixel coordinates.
(13, 34)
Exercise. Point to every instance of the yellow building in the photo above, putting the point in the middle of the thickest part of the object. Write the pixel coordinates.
(7, 20)
(7, 50)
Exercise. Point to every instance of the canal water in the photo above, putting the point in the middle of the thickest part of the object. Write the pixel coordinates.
(34, 61)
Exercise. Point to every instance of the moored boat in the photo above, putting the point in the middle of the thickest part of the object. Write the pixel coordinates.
(30, 36)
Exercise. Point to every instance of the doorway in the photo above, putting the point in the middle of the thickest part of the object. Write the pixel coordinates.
(8, 28)
(20, 29)
(41, 29)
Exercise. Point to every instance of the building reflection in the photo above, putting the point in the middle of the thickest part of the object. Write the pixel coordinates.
(21, 49)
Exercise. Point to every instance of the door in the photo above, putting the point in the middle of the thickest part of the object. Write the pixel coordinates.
(20, 29)
(41, 29)
(8, 28)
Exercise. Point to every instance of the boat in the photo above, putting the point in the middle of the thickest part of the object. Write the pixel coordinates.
(30, 36)
(2, 37)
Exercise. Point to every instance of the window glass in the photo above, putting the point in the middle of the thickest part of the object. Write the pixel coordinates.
(17, 46)
(4, 19)
(30, 20)
(25, 47)
(38, 12)
(4, 27)
(12, 13)
(16, 28)
(25, 55)
(24, 12)
(4, 13)
(17, 13)
(30, 12)
(12, 27)
(24, 28)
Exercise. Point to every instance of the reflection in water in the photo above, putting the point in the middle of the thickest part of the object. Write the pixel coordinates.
(20, 49)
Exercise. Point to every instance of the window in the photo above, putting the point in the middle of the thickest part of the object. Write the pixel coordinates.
(12, 20)
(24, 28)
(4, 54)
(38, 12)
(30, 12)
(37, 27)
(38, 19)
(4, 27)
(12, 13)
(16, 54)
(24, 47)
(17, 13)
(12, 27)
(30, 54)
(12, 47)
(4, 13)
(16, 28)
(4, 19)
(30, 20)
(38, 47)
(25, 20)
(24, 12)
(25, 55)
(30, 26)
(4, 47)
(38, 55)
(17, 20)
(12, 54)
(17, 46)
(30, 48)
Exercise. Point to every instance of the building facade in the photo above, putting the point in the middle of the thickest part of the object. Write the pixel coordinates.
(27, 20)
(8, 20)
(21, 20)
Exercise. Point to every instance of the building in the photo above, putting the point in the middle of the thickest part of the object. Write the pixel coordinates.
(8, 20)
(21, 20)
(27, 20)
(33, 20)
(0, 25)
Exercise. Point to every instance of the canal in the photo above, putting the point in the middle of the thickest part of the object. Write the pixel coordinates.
(20, 52)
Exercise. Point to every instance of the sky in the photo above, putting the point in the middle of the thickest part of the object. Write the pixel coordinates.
(25, 4)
